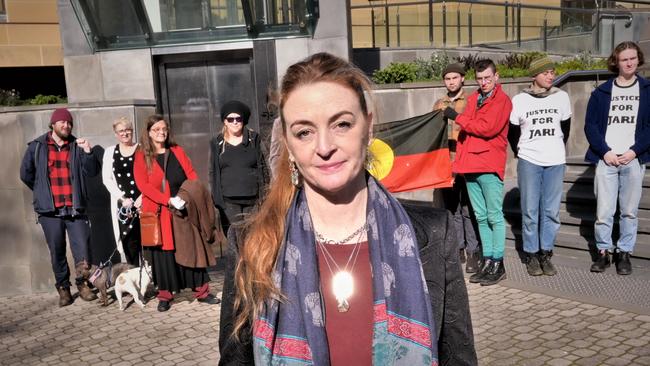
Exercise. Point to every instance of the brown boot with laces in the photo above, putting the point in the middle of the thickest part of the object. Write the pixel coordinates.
(65, 297)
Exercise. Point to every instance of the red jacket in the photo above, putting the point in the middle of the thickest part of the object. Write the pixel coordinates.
(149, 183)
(483, 138)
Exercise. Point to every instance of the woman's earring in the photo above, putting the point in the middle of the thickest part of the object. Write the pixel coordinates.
(295, 175)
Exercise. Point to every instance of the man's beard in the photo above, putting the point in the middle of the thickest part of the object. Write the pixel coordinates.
(61, 133)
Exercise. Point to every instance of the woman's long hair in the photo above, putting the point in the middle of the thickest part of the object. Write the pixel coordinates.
(264, 232)
(147, 146)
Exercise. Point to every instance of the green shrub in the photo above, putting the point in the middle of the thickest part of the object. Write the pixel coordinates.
(9, 98)
(432, 68)
(396, 72)
(515, 65)
(521, 60)
(506, 72)
(47, 99)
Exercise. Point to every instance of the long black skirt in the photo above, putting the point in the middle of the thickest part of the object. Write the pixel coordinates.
(171, 276)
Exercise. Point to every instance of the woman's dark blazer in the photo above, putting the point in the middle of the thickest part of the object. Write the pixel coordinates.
(442, 271)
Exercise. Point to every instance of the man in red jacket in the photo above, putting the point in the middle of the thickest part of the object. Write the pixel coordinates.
(481, 158)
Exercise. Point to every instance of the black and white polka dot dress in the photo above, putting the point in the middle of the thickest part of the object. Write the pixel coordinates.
(129, 231)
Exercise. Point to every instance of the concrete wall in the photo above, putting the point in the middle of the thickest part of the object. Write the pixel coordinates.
(24, 264)
(30, 36)
(395, 102)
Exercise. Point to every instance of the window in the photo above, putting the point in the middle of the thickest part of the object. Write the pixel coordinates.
(150, 23)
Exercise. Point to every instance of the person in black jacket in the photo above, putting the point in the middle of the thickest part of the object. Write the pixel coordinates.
(332, 270)
(237, 169)
(55, 167)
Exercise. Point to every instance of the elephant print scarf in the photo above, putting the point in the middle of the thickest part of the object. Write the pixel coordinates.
(292, 331)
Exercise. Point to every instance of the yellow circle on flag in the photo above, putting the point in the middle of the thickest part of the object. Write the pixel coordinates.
(382, 159)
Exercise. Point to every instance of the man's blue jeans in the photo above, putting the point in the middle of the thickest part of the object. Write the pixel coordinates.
(541, 193)
(55, 228)
(486, 195)
(622, 183)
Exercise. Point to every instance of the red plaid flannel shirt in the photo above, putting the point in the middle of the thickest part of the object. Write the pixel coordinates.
(59, 172)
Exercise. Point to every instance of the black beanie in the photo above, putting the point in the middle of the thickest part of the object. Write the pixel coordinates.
(235, 106)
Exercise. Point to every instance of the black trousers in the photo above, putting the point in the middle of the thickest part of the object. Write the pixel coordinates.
(235, 210)
(55, 228)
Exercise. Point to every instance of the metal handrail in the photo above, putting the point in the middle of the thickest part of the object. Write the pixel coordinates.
(515, 7)
(494, 3)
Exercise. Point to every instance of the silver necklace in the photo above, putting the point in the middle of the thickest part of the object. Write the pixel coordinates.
(342, 280)
(320, 238)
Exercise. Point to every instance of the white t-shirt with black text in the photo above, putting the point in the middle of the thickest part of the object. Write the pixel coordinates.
(621, 122)
(541, 141)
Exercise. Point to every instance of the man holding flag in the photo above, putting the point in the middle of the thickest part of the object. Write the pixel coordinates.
(481, 158)
(456, 199)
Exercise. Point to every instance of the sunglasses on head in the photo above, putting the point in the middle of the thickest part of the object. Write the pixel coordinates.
(234, 119)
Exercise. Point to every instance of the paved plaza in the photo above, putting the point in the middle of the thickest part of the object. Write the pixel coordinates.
(517, 322)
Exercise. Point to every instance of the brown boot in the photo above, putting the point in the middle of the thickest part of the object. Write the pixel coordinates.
(85, 292)
(65, 298)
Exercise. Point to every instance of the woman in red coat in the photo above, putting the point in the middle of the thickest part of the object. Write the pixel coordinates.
(156, 144)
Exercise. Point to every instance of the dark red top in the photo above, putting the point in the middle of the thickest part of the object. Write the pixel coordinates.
(349, 334)
(58, 165)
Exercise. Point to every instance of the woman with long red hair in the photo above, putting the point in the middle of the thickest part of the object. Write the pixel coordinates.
(332, 270)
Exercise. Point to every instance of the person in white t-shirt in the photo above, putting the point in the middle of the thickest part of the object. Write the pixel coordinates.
(617, 126)
(539, 128)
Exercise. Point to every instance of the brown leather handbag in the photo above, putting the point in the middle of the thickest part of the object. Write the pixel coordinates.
(150, 231)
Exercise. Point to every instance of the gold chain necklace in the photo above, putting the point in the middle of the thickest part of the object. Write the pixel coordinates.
(342, 280)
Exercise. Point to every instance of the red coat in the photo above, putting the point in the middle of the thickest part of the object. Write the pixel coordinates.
(149, 183)
(483, 138)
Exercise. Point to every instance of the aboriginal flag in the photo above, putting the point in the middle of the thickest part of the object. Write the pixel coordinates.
(412, 154)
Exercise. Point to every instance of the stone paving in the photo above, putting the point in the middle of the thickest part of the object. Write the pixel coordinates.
(512, 327)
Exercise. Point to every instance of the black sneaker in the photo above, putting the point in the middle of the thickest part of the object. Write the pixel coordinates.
(545, 262)
(482, 270)
(210, 299)
(163, 305)
(495, 273)
(532, 265)
(472, 264)
(623, 265)
(601, 263)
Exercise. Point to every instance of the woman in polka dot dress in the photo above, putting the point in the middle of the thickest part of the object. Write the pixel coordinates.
(117, 175)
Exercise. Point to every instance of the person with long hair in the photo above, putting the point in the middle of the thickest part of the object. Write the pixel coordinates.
(238, 168)
(328, 270)
(617, 126)
(117, 176)
(159, 156)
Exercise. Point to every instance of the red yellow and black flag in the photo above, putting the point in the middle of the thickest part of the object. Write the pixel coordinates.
(412, 154)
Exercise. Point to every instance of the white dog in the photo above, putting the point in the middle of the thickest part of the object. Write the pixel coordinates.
(134, 281)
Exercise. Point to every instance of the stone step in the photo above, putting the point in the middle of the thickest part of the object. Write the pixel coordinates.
(580, 237)
(587, 177)
(576, 194)
(581, 216)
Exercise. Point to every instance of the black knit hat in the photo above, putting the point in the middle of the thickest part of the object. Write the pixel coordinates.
(235, 106)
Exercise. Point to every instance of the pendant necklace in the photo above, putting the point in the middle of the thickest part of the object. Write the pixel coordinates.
(342, 280)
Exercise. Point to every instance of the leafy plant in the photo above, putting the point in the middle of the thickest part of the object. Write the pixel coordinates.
(9, 98)
(515, 65)
(396, 72)
(517, 72)
(470, 60)
(521, 60)
(47, 99)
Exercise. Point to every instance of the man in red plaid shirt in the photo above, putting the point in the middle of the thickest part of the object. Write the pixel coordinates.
(55, 167)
